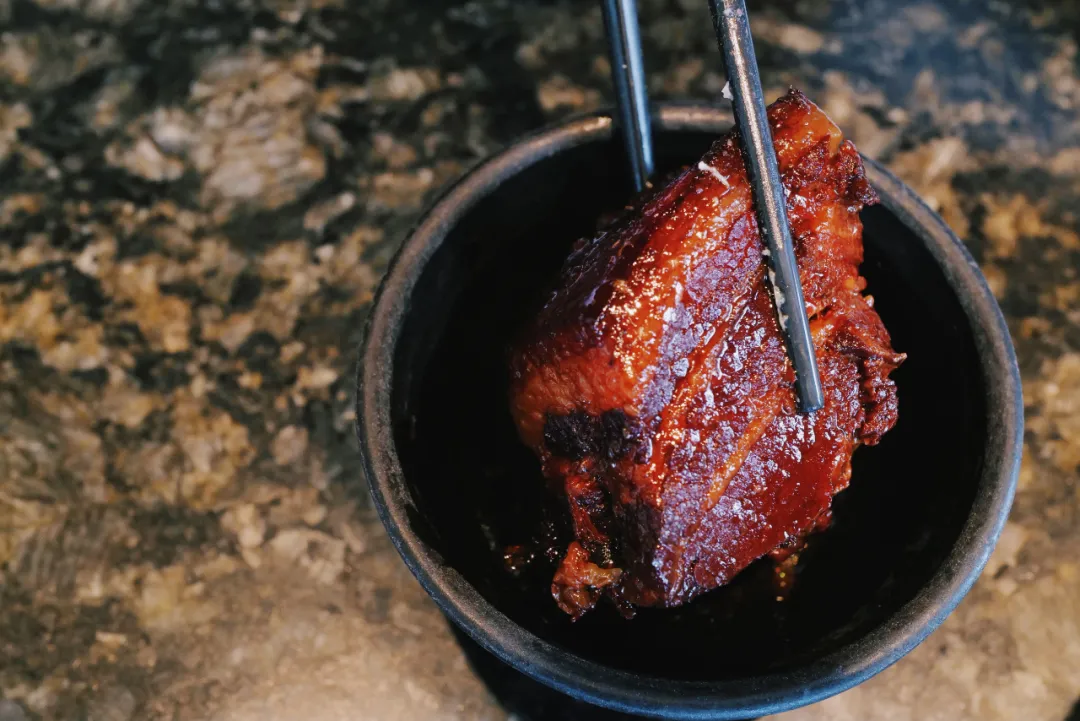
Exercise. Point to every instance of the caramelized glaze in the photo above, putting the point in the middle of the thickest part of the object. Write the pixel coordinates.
(655, 387)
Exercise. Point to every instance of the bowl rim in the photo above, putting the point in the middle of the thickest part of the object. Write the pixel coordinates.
(635, 693)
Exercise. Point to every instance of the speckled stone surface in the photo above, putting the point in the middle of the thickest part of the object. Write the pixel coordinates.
(197, 198)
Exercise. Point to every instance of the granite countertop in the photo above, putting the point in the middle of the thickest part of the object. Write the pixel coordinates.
(197, 199)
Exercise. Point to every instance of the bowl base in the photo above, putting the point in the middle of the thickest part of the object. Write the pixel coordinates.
(527, 699)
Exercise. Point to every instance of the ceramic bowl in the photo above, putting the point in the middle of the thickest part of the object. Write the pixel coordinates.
(453, 484)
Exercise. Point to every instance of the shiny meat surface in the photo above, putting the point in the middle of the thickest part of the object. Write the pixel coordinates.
(655, 387)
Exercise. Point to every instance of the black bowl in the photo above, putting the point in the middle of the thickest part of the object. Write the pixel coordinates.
(453, 484)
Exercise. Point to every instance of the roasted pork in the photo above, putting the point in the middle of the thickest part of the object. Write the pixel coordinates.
(655, 387)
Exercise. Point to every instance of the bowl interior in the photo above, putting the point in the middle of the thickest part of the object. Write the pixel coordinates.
(475, 489)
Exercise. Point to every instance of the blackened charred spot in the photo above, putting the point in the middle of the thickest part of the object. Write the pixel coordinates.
(643, 450)
(586, 494)
(569, 436)
(576, 435)
(620, 434)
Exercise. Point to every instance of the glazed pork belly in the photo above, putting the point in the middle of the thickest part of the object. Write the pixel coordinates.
(655, 387)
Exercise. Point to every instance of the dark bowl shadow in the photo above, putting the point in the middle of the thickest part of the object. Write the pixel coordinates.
(455, 486)
(524, 697)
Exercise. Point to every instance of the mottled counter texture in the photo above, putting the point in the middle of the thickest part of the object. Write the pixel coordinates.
(197, 198)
